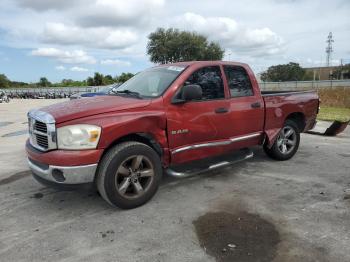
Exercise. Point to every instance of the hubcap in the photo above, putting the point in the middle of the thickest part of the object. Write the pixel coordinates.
(286, 140)
(134, 176)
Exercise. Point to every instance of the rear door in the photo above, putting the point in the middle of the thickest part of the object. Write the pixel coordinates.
(197, 129)
(246, 117)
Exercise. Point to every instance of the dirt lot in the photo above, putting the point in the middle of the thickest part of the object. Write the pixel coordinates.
(259, 210)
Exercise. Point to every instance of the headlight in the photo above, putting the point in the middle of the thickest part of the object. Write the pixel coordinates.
(76, 137)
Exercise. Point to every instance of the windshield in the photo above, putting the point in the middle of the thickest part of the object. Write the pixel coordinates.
(150, 83)
(105, 89)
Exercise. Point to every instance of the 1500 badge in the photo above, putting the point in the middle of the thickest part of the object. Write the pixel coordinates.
(180, 131)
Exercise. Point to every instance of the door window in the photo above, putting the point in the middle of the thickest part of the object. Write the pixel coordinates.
(238, 81)
(210, 80)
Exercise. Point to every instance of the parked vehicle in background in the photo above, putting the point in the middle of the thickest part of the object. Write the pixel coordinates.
(183, 118)
(102, 92)
(4, 98)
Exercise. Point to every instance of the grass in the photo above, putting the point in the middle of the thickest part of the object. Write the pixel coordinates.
(335, 97)
(334, 113)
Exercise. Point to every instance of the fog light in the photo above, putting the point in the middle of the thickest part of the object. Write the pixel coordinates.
(58, 175)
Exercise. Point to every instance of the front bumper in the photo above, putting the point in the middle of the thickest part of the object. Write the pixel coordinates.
(70, 175)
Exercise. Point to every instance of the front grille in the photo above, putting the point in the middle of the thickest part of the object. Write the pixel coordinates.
(42, 130)
(41, 127)
(42, 141)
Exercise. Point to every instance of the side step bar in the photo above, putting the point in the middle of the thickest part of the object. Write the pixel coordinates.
(205, 165)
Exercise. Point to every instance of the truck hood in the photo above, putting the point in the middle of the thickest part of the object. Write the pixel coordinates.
(80, 108)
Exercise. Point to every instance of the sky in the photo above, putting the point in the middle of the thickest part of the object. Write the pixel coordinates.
(72, 39)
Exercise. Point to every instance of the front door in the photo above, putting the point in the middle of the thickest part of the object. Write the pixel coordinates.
(197, 129)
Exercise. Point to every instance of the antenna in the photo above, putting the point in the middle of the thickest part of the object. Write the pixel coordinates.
(329, 48)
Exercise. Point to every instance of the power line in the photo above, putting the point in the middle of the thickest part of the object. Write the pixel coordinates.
(329, 48)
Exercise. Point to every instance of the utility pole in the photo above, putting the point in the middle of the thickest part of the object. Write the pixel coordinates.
(329, 48)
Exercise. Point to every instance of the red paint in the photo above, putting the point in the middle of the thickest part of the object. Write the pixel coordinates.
(120, 116)
(65, 157)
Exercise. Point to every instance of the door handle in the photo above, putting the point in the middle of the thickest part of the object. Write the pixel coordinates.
(221, 110)
(256, 105)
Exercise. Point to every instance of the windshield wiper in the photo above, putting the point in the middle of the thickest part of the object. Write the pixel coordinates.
(127, 92)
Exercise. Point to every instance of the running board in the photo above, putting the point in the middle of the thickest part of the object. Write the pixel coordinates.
(205, 165)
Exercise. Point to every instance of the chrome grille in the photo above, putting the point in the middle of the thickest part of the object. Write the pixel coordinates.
(42, 140)
(42, 130)
(41, 127)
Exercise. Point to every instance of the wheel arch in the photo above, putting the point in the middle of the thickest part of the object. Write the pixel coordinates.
(299, 119)
(145, 138)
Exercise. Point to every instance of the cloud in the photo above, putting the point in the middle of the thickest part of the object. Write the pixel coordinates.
(233, 35)
(67, 57)
(318, 63)
(116, 62)
(60, 68)
(43, 5)
(112, 13)
(78, 69)
(100, 13)
(105, 38)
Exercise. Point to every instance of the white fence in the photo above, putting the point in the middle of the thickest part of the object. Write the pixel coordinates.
(290, 85)
(304, 85)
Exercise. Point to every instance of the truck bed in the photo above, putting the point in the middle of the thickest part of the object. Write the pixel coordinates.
(281, 104)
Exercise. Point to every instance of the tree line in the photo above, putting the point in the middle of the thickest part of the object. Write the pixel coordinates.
(97, 80)
(286, 72)
(294, 72)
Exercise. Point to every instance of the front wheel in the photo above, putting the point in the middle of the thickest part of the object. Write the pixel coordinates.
(286, 144)
(129, 175)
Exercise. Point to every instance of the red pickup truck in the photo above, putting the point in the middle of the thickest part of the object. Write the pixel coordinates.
(183, 118)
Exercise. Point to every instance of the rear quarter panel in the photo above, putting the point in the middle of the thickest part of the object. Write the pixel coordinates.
(279, 107)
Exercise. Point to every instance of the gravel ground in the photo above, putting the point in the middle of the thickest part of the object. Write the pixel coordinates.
(258, 210)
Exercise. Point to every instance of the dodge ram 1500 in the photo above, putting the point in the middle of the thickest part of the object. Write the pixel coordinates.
(182, 118)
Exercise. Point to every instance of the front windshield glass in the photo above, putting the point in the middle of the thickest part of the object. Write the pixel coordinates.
(150, 83)
(107, 89)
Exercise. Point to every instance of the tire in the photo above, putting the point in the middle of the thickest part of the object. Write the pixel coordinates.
(129, 175)
(285, 148)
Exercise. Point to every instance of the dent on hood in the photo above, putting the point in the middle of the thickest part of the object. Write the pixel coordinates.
(74, 109)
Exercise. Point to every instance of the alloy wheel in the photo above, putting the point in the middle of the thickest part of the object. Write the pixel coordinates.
(286, 140)
(134, 176)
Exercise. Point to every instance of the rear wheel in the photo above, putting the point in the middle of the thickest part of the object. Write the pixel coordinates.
(129, 175)
(286, 144)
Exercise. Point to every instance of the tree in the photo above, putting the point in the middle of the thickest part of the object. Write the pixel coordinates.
(17, 84)
(108, 80)
(90, 81)
(172, 45)
(287, 72)
(43, 82)
(98, 79)
(4, 81)
(123, 77)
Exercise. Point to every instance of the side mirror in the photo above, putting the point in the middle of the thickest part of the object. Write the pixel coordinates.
(188, 93)
(191, 92)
